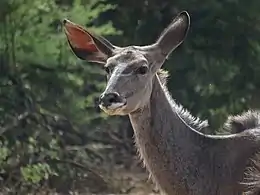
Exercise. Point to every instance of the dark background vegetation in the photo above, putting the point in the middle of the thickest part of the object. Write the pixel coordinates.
(54, 138)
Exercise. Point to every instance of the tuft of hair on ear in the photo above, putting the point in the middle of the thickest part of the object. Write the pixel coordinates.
(163, 76)
(245, 121)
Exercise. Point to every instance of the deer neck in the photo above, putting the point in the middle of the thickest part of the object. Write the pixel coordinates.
(164, 141)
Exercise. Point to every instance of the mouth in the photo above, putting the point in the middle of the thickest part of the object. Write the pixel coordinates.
(114, 108)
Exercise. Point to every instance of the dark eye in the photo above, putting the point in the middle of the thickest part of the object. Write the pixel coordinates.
(107, 70)
(142, 70)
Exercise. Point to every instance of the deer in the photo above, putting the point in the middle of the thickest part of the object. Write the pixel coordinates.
(180, 159)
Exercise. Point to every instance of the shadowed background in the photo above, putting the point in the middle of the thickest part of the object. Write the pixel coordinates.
(53, 136)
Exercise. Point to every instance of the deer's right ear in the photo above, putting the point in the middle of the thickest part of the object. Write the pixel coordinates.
(86, 45)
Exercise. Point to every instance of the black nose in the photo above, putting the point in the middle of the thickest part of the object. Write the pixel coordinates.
(109, 98)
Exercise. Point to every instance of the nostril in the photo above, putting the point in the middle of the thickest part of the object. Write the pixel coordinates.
(112, 97)
(112, 100)
(109, 98)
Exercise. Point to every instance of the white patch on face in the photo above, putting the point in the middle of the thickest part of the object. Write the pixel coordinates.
(113, 109)
(114, 77)
(114, 106)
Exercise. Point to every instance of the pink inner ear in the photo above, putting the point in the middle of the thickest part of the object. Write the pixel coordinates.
(79, 38)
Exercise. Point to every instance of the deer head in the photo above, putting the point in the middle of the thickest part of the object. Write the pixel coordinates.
(130, 70)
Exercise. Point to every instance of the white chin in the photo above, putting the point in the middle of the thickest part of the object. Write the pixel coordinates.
(113, 109)
(115, 106)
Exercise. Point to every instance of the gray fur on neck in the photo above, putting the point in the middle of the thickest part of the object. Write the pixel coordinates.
(192, 121)
(164, 143)
(181, 160)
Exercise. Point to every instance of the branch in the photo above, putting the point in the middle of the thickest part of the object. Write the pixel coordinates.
(58, 68)
(15, 123)
(80, 166)
(86, 148)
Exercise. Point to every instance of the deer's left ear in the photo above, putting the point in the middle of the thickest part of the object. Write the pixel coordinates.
(174, 34)
(86, 45)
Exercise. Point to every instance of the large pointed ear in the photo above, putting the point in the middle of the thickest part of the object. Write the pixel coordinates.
(174, 34)
(87, 46)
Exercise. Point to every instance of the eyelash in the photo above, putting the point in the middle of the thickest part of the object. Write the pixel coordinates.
(107, 70)
(142, 70)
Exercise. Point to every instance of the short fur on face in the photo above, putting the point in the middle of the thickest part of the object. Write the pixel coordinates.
(130, 70)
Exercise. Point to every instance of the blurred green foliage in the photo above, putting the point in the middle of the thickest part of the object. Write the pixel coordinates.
(48, 97)
(50, 125)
